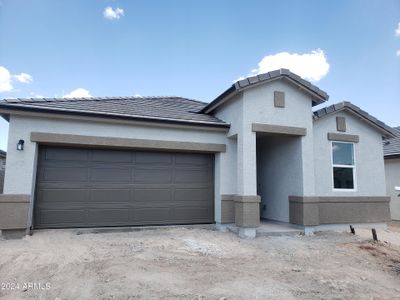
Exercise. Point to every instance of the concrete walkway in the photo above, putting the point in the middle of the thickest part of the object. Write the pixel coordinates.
(273, 228)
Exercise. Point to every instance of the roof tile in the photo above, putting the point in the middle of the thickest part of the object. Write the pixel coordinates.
(264, 76)
(156, 108)
(348, 105)
(320, 96)
(244, 82)
(391, 147)
(253, 79)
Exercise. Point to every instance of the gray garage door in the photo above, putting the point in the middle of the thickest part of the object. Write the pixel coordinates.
(94, 187)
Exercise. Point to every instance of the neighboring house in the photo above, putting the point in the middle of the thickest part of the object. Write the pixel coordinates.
(3, 155)
(391, 150)
(168, 160)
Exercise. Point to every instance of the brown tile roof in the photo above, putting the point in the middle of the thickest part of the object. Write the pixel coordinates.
(391, 146)
(389, 131)
(319, 96)
(169, 109)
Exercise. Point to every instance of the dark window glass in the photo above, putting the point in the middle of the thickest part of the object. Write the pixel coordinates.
(343, 154)
(343, 178)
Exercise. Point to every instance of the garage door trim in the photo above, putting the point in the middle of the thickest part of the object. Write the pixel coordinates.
(126, 143)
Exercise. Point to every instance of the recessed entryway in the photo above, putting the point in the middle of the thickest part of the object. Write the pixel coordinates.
(279, 174)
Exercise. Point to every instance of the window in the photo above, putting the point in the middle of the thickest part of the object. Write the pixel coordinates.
(343, 166)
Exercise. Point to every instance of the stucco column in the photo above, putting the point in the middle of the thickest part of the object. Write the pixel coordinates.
(246, 164)
(307, 154)
(217, 188)
(247, 202)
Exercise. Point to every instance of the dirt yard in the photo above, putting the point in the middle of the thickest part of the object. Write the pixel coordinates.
(184, 263)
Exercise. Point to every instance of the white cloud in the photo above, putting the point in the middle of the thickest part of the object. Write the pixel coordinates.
(78, 93)
(6, 79)
(398, 52)
(113, 14)
(23, 77)
(312, 66)
(397, 31)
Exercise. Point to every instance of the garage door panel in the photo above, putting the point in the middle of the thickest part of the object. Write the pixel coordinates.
(154, 158)
(65, 154)
(63, 195)
(98, 187)
(191, 159)
(152, 215)
(111, 174)
(192, 194)
(152, 195)
(55, 218)
(111, 156)
(198, 213)
(187, 175)
(108, 216)
(155, 175)
(110, 195)
(65, 174)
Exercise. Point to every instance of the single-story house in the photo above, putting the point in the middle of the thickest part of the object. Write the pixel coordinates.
(391, 150)
(256, 151)
(3, 156)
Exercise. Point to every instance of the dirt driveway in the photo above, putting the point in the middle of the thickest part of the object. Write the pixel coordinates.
(199, 264)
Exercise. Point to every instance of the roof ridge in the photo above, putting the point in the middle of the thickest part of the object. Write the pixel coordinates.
(348, 105)
(61, 99)
(319, 96)
(171, 108)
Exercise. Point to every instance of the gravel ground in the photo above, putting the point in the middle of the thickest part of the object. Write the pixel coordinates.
(197, 263)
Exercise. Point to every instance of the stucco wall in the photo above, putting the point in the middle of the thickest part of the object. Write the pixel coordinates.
(259, 108)
(231, 113)
(279, 175)
(392, 170)
(256, 105)
(370, 173)
(21, 165)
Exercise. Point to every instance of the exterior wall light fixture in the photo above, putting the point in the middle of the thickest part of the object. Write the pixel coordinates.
(20, 145)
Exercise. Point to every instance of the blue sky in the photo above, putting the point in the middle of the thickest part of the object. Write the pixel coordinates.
(196, 49)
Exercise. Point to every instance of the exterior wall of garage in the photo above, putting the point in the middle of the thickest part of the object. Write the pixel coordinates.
(21, 165)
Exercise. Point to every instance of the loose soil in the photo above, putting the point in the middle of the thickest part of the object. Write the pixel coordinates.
(181, 263)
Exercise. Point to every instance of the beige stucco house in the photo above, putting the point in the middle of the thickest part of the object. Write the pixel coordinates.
(391, 149)
(257, 151)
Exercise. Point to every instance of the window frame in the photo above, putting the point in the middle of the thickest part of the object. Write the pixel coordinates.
(353, 166)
